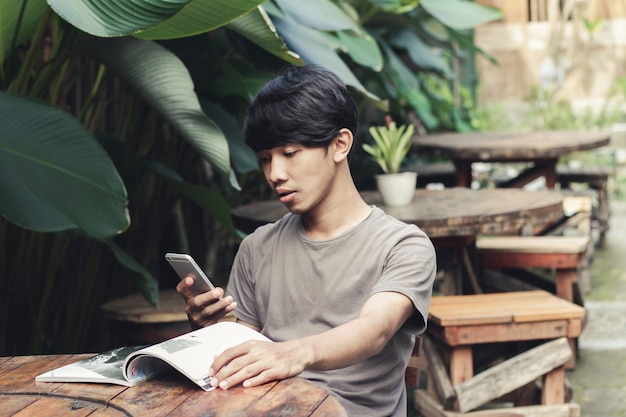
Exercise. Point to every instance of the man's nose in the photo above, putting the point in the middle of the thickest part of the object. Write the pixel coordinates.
(277, 171)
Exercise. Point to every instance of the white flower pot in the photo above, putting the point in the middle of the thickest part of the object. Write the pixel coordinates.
(397, 189)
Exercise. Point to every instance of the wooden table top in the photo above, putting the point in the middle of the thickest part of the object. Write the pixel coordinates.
(510, 146)
(167, 395)
(451, 212)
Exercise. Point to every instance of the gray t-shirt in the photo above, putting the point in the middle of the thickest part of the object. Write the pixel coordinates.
(290, 287)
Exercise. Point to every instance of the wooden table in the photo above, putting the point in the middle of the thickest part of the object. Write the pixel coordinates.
(168, 395)
(445, 215)
(451, 217)
(541, 149)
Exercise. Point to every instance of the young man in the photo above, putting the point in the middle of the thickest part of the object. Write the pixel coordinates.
(341, 287)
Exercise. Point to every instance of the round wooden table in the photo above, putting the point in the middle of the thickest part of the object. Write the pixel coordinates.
(451, 217)
(167, 395)
(447, 215)
(543, 149)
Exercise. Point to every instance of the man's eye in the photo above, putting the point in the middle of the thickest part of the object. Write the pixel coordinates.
(290, 154)
(264, 159)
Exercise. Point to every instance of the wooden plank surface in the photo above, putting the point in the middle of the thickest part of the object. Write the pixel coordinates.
(533, 244)
(510, 146)
(168, 395)
(512, 307)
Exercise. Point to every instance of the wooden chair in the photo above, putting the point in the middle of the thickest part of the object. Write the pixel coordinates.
(464, 324)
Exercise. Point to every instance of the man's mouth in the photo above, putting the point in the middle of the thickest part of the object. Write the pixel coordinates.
(284, 195)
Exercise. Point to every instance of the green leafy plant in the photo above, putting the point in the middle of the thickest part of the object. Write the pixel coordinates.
(119, 118)
(392, 144)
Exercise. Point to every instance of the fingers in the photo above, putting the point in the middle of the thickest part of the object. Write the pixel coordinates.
(237, 365)
(253, 363)
(206, 308)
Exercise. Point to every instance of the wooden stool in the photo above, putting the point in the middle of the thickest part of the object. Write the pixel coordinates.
(564, 254)
(460, 322)
(596, 178)
(135, 321)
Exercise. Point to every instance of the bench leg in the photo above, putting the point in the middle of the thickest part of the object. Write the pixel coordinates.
(461, 364)
(554, 387)
(565, 280)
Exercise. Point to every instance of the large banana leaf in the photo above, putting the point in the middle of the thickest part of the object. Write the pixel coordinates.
(257, 27)
(54, 175)
(327, 19)
(163, 80)
(422, 54)
(317, 48)
(318, 14)
(157, 19)
(408, 86)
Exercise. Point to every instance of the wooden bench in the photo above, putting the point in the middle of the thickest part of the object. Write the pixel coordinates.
(563, 254)
(135, 321)
(595, 178)
(461, 323)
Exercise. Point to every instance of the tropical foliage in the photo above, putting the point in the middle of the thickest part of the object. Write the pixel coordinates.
(119, 131)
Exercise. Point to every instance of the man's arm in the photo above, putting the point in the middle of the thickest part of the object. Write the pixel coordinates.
(255, 363)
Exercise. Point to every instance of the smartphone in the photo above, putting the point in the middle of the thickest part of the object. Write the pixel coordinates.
(184, 265)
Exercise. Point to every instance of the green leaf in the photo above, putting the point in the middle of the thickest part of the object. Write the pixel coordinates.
(315, 48)
(408, 87)
(258, 28)
(420, 53)
(200, 16)
(144, 281)
(318, 14)
(54, 175)
(362, 49)
(156, 19)
(164, 82)
(210, 200)
(244, 158)
(9, 21)
(396, 6)
(461, 14)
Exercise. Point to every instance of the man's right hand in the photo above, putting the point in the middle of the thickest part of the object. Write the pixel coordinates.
(207, 308)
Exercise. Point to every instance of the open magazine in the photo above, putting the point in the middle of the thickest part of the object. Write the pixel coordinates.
(191, 354)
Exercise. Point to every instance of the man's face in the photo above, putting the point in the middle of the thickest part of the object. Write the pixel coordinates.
(300, 176)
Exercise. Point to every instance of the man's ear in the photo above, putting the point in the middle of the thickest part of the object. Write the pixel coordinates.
(343, 144)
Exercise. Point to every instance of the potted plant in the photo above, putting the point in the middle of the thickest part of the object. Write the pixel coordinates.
(391, 145)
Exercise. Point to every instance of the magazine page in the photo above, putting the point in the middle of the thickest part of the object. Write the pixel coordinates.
(192, 353)
(106, 367)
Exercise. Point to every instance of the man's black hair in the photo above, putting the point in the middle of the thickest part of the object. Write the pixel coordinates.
(306, 105)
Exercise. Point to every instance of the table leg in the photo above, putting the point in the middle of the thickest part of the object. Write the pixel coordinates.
(463, 173)
(471, 272)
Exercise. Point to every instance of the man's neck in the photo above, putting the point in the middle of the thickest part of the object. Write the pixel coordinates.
(339, 213)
